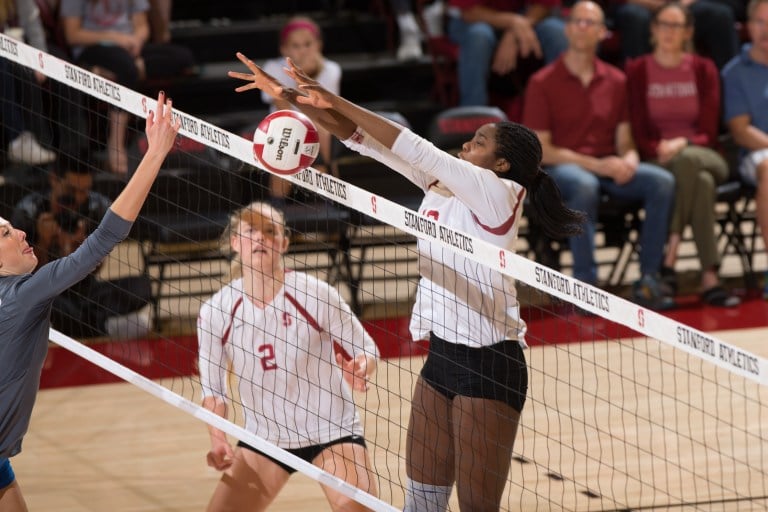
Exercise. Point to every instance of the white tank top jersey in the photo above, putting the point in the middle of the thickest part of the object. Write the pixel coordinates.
(459, 300)
(290, 386)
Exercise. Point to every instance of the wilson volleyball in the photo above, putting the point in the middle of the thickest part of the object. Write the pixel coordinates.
(286, 142)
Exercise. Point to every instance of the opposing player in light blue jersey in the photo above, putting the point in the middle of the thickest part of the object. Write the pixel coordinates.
(26, 299)
(277, 330)
(468, 399)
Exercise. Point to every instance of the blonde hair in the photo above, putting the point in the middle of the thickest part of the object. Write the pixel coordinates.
(238, 216)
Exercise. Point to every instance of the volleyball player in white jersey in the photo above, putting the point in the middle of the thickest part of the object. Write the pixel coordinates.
(277, 329)
(468, 398)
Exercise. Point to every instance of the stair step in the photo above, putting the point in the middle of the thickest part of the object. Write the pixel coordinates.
(219, 39)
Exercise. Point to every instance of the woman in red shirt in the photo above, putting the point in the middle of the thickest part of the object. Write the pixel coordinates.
(674, 111)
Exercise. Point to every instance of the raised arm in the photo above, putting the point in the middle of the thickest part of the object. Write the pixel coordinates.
(337, 115)
(378, 127)
(58, 275)
(161, 133)
(258, 79)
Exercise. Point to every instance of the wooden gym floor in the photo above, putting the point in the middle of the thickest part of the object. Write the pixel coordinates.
(114, 447)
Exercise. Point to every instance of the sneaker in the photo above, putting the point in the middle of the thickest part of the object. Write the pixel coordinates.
(410, 49)
(25, 149)
(410, 38)
(434, 17)
(135, 325)
(669, 280)
(720, 297)
(649, 292)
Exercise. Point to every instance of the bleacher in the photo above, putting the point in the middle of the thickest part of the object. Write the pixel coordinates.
(361, 37)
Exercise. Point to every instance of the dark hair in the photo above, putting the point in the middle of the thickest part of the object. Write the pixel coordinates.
(674, 5)
(520, 146)
(67, 162)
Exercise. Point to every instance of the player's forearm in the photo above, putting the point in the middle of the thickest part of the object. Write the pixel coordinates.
(218, 407)
(330, 120)
(129, 202)
(378, 127)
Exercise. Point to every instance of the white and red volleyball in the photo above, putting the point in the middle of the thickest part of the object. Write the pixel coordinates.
(286, 142)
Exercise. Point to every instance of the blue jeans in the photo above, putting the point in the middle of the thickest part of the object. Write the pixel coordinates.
(477, 44)
(582, 190)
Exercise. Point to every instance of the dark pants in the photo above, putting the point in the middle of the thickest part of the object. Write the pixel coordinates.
(82, 311)
(160, 60)
(21, 102)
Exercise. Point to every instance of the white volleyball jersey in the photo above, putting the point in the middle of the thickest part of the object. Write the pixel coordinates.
(458, 299)
(290, 386)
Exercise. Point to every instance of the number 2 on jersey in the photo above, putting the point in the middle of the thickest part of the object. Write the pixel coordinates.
(267, 357)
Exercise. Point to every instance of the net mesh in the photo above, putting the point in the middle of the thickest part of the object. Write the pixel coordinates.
(626, 409)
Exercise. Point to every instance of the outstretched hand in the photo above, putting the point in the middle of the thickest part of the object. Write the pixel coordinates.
(315, 94)
(161, 129)
(258, 79)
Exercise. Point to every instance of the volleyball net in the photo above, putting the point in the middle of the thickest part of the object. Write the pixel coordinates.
(627, 409)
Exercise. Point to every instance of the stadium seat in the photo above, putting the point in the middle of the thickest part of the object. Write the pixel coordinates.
(454, 126)
(181, 222)
(736, 215)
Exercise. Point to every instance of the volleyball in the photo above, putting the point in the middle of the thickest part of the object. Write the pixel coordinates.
(286, 142)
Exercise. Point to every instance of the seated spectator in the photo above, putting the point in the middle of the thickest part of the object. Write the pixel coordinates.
(302, 41)
(493, 35)
(20, 19)
(56, 222)
(715, 22)
(674, 99)
(578, 107)
(110, 38)
(745, 79)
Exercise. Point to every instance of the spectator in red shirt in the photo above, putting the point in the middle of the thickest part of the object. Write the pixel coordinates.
(578, 107)
(674, 99)
(493, 34)
(716, 35)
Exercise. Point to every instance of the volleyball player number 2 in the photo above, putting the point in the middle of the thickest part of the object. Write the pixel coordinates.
(267, 357)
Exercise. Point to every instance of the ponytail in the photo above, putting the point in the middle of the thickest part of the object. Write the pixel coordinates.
(521, 147)
(557, 220)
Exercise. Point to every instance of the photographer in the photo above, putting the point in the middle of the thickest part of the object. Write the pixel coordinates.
(57, 221)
